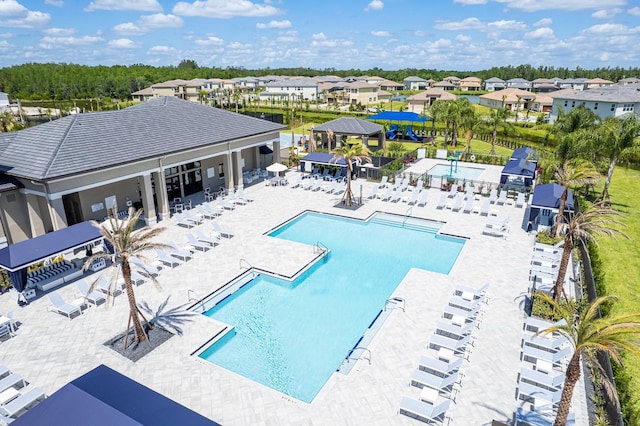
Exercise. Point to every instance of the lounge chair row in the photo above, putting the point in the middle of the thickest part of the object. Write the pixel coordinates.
(16, 395)
(545, 266)
(439, 372)
(496, 227)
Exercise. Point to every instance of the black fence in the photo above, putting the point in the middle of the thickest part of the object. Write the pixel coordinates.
(274, 118)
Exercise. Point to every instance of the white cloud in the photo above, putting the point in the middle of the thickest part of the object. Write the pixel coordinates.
(59, 31)
(470, 2)
(537, 5)
(465, 24)
(635, 11)
(148, 23)
(381, 33)
(463, 38)
(476, 24)
(141, 5)
(56, 3)
(123, 43)
(13, 9)
(32, 19)
(507, 25)
(608, 29)
(274, 24)
(419, 33)
(49, 42)
(544, 22)
(319, 36)
(210, 41)
(540, 33)
(237, 45)
(223, 9)
(161, 50)
(374, 5)
(287, 39)
(606, 13)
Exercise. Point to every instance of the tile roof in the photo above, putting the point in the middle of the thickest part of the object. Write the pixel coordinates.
(79, 143)
(349, 126)
(629, 93)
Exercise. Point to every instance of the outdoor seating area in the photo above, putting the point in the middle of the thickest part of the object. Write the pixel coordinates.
(16, 395)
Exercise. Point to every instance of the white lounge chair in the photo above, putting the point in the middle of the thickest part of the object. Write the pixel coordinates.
(439, 368)
(213, 240)
(182, 221)
(486, 205)
(373, 193)
(60, 306)
(191, 218)
(10, 381)
(453, 191)
(197, 245)
(502, 198)
(150, 270)
(225, 205)
(520, 200)
(442, 202)
(424, 196)
(493, 195)
(458, 346)
(529, 391)
(24, 401)
(92, 296)
(471, 293)
(540, 379)
(454, 331)
(395, 197)
(166, 259)
(248, 198)
(387, 195)
(468, 206)
(444, 385)
(296, 183)
(414, 196)
(180, 253)
(340, 188)
(383, 181)
(206, 213)
(236, 199)
(457, 204)
(224, 232)
(497, 228)
(430, 413)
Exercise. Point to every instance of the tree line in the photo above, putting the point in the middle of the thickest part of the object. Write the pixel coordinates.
(62, 81)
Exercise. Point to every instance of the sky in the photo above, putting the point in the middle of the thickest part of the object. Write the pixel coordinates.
(464, 35)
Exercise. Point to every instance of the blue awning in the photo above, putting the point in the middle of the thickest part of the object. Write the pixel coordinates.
(519, 167)
(548, 196)
(265, 150)
(22, 254)
(104, 397)
(399, 116)
(523, 153)
(324, 158)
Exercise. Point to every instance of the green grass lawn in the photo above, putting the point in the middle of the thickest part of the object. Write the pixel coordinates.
(477, 146)
(621, 264)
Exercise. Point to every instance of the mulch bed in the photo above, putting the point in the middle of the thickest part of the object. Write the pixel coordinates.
(135, 351)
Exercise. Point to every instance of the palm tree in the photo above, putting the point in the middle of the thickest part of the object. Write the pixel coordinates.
(619, 138)
(439, 112)
(497, 119)
(572, 173)
(352, 153)
(469, 122)
(589, 333)
(597, 219)
(127, 243)
(518, 102)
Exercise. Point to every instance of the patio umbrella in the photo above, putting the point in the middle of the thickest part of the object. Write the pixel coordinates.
(277, 168)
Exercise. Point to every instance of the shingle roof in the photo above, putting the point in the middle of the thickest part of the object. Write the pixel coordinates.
(629, 93)
(80, 143)
(349, 126)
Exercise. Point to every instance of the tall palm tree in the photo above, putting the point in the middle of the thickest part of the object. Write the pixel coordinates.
(469, 122)
(440, 112)
(589, 333)
(352, 153)
(618, 138)
(597, 219)
(127, 243)
(497, 119)
(572, 173)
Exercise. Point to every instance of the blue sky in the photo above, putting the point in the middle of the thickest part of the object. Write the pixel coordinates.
(341, 34)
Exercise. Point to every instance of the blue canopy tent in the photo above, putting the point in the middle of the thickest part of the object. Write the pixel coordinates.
(17, 257)
(104, 397)
(399, 116)
(545, 204)
(518, 173)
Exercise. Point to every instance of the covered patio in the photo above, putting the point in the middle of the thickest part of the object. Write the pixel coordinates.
(347, 126)
(545, 205)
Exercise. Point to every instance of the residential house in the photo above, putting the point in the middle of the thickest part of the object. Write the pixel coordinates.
(470, 84)
(415, 83)
(188, 90)
(143, 95)
(607, 101)
(453, 80)
(572, 83)
(388, 85)
(543, 85)
(594, 83)
(306, 88)
(629, 80)
(518, 83)
(494, 83)
(445, 85)
(360, 92)
(422, 101)
(76, 168)
(513, 99)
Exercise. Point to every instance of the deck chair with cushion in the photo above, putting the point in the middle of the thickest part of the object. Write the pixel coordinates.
(92, 296)
(166, 259)
(442, 202)
(60, 306)
(182, 221)
(248, 198)
(415, 194)
(428, 413)
(502, 198)
(424, 197)
(439, 368)
(520, 200)
(22, 402)
(195, 244)
(212, 240)
(181, 253)
(383, 182)
(227, 233)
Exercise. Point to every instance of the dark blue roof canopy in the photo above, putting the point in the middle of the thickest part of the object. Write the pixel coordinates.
(519, 167)
(522, 153)
(324, 158)
(104, 397)
(399, 116)
(22, 254)
(548, 196)
(265, 150)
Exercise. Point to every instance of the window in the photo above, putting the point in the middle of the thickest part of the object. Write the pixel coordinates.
(627, 107)
(613, 107)
(595, 106)
(566, 103)
(220, 170)
(573, 104)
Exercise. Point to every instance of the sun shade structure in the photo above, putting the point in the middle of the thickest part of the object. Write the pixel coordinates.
(399, 116)
(104, 397)
(349, 126)
(545, 204)
(321, 159)
(20, 255)
(518, 172)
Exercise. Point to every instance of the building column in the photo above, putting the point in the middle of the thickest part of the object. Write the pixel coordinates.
(276, 151)
(228, 172)
(58, 215)
(35, 215)
(147, 200)
(237, 169)
(161, 195)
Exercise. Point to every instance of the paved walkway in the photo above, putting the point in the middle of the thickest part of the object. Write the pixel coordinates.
(50, 350)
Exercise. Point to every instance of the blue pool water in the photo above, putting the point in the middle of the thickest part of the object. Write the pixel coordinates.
(467, 173)
(291, 336)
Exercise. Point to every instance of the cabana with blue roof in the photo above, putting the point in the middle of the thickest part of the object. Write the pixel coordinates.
(518, 174)
(545, 205)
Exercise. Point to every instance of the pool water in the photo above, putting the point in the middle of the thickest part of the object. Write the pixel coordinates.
(462, 172)
(292, 336)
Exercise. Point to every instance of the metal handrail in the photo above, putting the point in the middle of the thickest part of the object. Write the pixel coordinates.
(197, 298)
(406, 214)
(318, 246)
(362, 357)
(395, 301)
(245, 261)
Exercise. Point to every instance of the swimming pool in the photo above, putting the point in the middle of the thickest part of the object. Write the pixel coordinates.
(292, 336)
(462, 172)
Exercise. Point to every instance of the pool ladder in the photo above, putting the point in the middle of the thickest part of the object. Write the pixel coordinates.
(407, 214)
(244, 263)
(318, 247)
(362, 356)
(192, 296)
(397, 302)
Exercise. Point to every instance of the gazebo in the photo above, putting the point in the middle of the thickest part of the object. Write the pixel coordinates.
(348, 126)
(545, 205)
(518, 173)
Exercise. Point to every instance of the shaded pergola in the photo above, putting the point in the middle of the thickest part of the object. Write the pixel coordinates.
(349, 126)
(545, 205)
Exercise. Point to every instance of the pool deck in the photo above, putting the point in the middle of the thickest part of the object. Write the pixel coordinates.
(50, 350)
